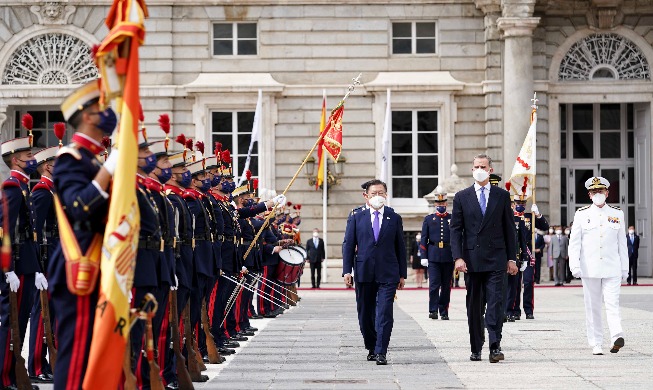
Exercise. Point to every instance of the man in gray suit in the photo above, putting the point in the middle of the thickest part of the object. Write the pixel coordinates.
(560, 254)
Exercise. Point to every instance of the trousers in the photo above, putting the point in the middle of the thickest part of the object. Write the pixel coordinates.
(593, 290)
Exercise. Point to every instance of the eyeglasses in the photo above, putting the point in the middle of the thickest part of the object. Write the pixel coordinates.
(381, 193)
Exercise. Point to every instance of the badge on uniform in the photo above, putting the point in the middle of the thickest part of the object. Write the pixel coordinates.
(440, 244)
(613, 219)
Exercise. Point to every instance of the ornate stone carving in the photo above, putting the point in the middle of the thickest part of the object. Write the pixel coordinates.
(50, 59)
(604, 14)
(51, 12)
(517, 8)
(454, 183)
(601, 56)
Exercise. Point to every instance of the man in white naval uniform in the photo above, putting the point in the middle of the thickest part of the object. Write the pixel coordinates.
(598, 254)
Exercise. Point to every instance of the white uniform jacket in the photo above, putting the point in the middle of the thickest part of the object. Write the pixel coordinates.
(597, 246)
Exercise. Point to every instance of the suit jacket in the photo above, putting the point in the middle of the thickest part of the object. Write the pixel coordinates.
(381, 261)
(315, 255)
(561, 248)
(539, 244)
(485, 242)
(633, 248)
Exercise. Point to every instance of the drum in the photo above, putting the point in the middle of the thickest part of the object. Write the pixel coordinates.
(301, 250)
(290, 266)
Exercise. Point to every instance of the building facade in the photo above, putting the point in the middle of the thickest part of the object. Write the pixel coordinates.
(461, 74)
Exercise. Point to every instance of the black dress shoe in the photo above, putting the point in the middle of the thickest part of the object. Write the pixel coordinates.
(252, 329)
(205, 358)
(618, 344)
(172, 386)
(517, 318)
(371, 356)
(510, 318)
(256, 317)
(444, 317)
(231, 344)
(202, 378)
(269, 315)
(42, 378)
(475, 357)
(433, 315)
(238, 338)
(380, 360)
(496, 355)
(530, 317)
(246, 333)
(226, 351)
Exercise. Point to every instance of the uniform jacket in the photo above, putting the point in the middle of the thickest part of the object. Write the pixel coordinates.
(271, 237)
(315, 254)
(148, 258)
(598, 242)
(525, 232)
(184, 250)
(436, 238)
(167, 223)
(203, 259)
(382, 261)
(45, 219)
(487, 242)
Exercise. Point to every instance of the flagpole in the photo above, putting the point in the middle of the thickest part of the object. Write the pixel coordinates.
(350, 89)
(325, 190)
(534, 112)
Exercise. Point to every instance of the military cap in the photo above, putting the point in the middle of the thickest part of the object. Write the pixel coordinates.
(81, 98)
(494, 179)
(440, 195)
(47, 154)
(196, 167)
(596, 183)
(16, 145)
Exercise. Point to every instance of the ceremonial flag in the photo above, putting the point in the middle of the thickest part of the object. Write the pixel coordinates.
(522, 179)
(385, 142)
(333, 132)
(118, 55)
(320, 155)
(256, 126)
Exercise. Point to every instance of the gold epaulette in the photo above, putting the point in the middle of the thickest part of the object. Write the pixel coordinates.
(168, 192)
(70, 149)
(615, 207)
(584, 208)
(355, 210)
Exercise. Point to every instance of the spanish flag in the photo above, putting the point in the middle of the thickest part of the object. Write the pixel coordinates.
(117, 59)
(320, 155)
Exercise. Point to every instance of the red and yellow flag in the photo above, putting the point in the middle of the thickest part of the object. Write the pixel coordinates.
(320, 155)
(126, 24)
(333, 132)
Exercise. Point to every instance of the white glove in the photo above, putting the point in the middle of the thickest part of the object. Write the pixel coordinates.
(577, 273)
(175, 286)
(624, 275)
(424, 262)
(112, 161)
(12, 280)
(524, 264)
(40, 281)
(279, 199)
(130, 297)
(535, 210)
(244, 270)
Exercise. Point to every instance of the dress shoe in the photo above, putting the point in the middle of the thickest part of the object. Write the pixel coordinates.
(42, 378)
(433, 315)
(226, 351)
(270, 315)
(205, 358)
(597, 350)
(617, 345)
(635, 284)
(202, 378)
(475, 357)
(371, 356)
(238, 338)
(172, 386)
(628, 283)
(530, 317)
(252, 329)
(246, 333)
(445, 317)
(256, 317)
(380, 360)
(231, 344)
(510, 318)
(516, 318)
(496, 355)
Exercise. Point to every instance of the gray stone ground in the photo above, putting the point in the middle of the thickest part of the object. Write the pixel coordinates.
(319, 346)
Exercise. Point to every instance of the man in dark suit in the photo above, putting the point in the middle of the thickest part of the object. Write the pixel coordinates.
(374, 249)
(315, 253)
(539, 251)
(632, 239)
(483, 244)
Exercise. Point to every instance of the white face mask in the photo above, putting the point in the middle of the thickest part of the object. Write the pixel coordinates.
(631, 231)
(567, 231)
(480, 175)
(598, 199)
(558, 231)
(377, 202)
(550, 231)
(315, 234)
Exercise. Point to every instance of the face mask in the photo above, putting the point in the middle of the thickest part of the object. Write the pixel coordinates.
(377, 202)
(441, 209)
(228, 187)
(108, 121)
(558, 231)
(480, 175)
(248, 203)
(185, 179)
(598, 199)
(30, 166)
(150, 164)
(567, 232)
(206, 185)
(418, 238)
(520, 208)
(631, 231)
(166, 174)
(550, 231)
(215, 181)
(315, 234)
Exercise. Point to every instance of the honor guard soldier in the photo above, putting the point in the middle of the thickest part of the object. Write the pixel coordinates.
(598, 254)
(81, 182)
(47, 233)
(24, 272)
(436, 249)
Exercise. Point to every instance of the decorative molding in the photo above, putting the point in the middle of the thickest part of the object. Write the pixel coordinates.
(52, 13)
(488, 6)
(517, 27)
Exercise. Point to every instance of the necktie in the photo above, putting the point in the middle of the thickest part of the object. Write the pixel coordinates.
(375, 226)
(315, 242)
(632, 239)
(483, 200)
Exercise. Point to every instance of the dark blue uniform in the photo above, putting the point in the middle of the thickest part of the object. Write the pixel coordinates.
(435, 246)
(86, 209)
(269, 260)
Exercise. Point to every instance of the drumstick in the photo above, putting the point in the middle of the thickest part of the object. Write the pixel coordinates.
(264, 296)
(274, 283)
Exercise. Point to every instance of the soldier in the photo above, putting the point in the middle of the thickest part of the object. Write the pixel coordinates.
(82, 183)
(598, 254)
(47, 233)
(24, 273)
(513, 283)
(436, 248)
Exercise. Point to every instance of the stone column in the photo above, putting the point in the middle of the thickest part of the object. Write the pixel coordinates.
(517, 84)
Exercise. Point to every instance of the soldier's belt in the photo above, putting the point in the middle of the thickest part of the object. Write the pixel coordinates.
(52, 234)
(231, 239)
(219, 238)
(440, 244)
(152, 243)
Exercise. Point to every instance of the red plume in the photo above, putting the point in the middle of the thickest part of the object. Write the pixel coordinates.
(200, 147)
(508, 186)
(248, 174)
(59, 130)
(106, 141)
(255, 184)
(298, 207)
(141, 116)
(28, 122)
(226, 156)
(94, 50)
(218, 148)
(164, 123)
(189, 144)
(181, 139)
(289, 204)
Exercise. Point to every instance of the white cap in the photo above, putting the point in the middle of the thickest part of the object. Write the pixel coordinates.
(46, 154)
(16, 145)
(597, 182)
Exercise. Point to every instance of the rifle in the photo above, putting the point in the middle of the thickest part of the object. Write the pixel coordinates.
(214, 355)
(22, 379)
(155, 376)
(47, 326)
(193, 365)
(185, 382)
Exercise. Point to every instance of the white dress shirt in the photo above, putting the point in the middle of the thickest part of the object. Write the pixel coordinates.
(477, 188)
(380, 216)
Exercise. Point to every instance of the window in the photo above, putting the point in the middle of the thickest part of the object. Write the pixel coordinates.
(413, 38)
(234, 131)
(43, 129)
(234, 39)
(414, 154)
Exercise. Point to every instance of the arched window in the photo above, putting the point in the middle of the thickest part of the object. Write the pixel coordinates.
(50, 59)
(604, 56)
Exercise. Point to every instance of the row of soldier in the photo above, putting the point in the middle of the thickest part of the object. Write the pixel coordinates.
(196, 232)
